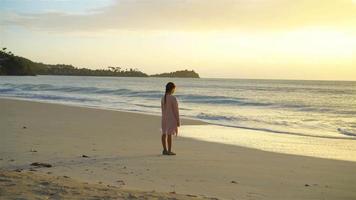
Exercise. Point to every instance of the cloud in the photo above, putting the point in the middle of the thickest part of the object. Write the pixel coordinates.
(193, 15)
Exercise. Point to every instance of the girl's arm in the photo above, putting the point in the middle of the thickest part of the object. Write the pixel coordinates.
(176, 111)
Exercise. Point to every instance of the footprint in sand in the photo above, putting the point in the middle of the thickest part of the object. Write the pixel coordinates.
(121, 182)
(5, 180)
(44, 183)
(234, 182)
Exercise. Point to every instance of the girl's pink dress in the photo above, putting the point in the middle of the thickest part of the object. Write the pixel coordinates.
(170, 115)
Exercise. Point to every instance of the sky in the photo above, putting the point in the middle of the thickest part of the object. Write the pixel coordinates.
(263, 39)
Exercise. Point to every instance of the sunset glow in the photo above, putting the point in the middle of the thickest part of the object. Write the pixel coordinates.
(280, 39)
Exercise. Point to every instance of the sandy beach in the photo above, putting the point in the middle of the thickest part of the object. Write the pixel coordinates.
(27, 185)
(103, 154)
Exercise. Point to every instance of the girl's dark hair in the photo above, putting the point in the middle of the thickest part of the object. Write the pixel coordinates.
(169, 87)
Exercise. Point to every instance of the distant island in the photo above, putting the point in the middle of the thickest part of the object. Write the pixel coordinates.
(180, 74)
(11, 64)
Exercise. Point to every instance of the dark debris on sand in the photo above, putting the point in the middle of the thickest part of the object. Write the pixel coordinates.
(39, 164)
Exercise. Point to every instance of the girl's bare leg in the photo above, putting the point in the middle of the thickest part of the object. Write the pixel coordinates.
(163, 139)
(169, 140)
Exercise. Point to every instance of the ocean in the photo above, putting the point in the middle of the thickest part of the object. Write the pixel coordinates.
(315, 108)
(312, 109)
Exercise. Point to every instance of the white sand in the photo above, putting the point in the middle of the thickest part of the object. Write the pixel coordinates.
(124, 150)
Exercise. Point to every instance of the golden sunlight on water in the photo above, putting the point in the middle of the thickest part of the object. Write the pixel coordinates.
(339, 149)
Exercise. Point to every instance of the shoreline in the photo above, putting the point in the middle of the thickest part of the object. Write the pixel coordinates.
(343, 148)
(102, 108)
(313, 147)
(341, 137)
(125, 146)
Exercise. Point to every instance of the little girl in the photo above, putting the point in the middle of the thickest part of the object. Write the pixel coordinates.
(170, 118)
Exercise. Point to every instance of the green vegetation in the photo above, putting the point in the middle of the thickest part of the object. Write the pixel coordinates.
(69, 70)
(19, 66)
(14, 65)
(180, 74)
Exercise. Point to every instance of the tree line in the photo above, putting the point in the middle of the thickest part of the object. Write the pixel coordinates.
(11, 64)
